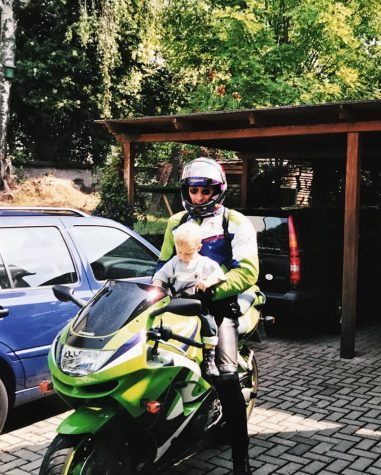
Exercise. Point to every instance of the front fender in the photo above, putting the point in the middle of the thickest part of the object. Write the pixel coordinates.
(86, 420)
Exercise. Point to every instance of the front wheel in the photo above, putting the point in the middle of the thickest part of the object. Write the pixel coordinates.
(83, 455)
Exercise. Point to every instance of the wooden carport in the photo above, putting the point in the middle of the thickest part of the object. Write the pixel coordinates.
(349, 130)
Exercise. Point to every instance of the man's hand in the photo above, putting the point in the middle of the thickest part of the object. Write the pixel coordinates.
(202, 285)
(206, 283)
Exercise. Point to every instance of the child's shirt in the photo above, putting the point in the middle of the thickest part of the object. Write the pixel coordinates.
(185, 274)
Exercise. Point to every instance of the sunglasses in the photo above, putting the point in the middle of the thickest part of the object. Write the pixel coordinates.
(204, 191)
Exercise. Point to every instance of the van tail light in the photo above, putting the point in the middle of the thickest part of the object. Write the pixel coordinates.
(294, 253)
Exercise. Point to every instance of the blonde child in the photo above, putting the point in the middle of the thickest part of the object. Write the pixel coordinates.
(189, 269)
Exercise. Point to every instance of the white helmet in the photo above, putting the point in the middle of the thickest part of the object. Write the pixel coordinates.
(203, 172)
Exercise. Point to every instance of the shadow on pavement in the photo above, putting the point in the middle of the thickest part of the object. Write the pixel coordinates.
(35, 411)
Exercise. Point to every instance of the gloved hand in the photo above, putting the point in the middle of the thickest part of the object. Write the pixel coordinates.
(207, 295)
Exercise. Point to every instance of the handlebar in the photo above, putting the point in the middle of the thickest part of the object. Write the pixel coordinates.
(165, 334)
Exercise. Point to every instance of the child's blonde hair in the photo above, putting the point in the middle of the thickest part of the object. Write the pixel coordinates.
(187, 233)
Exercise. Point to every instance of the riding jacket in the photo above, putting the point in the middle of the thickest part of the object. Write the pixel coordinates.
(236, 253)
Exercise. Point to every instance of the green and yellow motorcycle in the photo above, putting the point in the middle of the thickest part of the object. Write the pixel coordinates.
(129, 366)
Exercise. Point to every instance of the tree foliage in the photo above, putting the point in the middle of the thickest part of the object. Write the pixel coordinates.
(252, 53)
(81, 60)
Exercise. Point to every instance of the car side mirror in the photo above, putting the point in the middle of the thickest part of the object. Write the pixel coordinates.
(66, 294)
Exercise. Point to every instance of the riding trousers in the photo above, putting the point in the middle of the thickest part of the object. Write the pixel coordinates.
(228, 386)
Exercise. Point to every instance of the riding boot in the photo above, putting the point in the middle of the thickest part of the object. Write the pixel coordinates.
(234, 410)
(208, 365)
(241, 461)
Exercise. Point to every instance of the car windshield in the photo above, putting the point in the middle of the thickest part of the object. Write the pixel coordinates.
(116, 303)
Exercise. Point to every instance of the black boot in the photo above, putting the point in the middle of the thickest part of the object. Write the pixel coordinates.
(209, 368)
(241, 463)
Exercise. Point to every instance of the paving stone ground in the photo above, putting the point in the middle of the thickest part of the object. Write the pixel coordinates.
(315, 414)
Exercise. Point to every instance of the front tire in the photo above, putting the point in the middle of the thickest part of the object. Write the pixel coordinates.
(82, 455)
(57, 457)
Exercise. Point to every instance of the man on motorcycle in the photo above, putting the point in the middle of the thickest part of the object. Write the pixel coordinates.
(228, 238)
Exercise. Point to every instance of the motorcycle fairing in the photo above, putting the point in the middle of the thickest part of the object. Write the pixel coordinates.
(187, 393)
(179, 409)
(86, 420)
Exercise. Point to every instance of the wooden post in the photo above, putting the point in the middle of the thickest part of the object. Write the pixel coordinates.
(168, 205)
(244, 181)
(350, 258)
(128, 168)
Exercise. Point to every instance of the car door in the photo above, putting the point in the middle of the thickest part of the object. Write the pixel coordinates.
(33, 259)
(117, 253)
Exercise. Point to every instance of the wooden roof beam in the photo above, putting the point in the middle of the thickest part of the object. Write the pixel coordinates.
(345, 114)
(181, 125)
(255, 119)
(276, 131)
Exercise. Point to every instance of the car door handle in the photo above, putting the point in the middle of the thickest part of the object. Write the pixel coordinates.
(4, 312)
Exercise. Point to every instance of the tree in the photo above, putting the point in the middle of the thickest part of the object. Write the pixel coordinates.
(79, 61)
(7, 59)
(256, 53)
(259, 53)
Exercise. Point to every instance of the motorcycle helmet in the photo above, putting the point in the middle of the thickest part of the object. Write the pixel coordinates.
(203, 172)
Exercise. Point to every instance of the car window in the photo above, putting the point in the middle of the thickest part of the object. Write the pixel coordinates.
(36, 257)
(272, 233)
(4, 279)
(114, 254)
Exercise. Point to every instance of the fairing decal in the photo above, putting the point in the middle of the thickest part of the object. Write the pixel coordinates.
(162, 449)
(129, 350)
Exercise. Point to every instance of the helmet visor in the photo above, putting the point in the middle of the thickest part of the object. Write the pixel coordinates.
(200, 181)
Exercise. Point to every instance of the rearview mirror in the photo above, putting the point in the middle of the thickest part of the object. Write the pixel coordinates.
(66, 294)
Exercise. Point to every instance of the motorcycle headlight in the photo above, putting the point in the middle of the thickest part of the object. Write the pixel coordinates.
(56, 348)
(81, 362)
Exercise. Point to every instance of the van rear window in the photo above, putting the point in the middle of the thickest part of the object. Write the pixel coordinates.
(272, 234)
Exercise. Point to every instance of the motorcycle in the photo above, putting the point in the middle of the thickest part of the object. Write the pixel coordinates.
(129, 365)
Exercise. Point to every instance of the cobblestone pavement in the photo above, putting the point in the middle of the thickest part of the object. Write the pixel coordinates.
(316, 414)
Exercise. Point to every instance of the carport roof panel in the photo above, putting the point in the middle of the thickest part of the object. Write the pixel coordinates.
(330, 113)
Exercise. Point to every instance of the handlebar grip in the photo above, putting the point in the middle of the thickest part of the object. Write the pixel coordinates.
(184, 339)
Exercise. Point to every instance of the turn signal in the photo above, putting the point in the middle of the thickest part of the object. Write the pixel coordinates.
(152, 407)
(46, 386)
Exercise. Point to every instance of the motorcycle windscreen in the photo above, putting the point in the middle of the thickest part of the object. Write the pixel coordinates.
(116, 304)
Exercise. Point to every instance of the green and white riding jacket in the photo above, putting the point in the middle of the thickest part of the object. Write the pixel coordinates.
(237, 253)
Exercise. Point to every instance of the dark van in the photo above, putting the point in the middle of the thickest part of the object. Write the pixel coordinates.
(301, 256)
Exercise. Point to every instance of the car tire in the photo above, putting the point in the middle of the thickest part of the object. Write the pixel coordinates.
(4, 404)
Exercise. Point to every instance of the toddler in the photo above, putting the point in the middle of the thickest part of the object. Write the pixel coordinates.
(189, 267)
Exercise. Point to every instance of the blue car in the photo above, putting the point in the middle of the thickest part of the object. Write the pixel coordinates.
(42, 247)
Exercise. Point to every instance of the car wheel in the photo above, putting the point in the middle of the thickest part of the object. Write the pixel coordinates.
(4, 403)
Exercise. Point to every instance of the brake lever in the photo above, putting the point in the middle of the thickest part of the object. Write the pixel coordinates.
(155, 335)
(162, 332)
